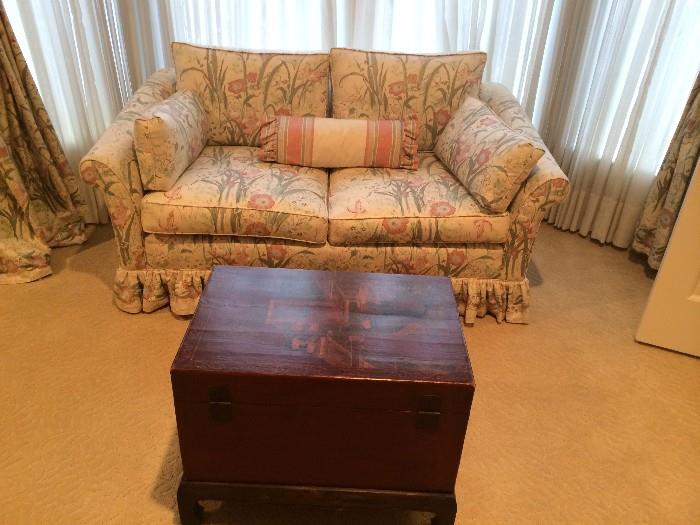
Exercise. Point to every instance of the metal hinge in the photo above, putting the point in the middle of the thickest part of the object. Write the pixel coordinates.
(220, 407)
(428, 417)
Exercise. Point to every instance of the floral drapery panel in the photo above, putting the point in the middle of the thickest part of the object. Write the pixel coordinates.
(666, 195)
(40, 205)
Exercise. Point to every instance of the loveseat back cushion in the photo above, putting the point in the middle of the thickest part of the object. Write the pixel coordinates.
(340, 143)
(168, 136)
(241, 90)
(374, 85)
(489, 158)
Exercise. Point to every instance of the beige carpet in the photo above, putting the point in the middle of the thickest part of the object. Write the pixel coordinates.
(572, 422)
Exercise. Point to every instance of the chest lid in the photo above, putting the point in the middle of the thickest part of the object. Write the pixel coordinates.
(307, 337)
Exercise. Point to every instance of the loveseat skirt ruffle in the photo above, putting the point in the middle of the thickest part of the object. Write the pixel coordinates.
(138, 291)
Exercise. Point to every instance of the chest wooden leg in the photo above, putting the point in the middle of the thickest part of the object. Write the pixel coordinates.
(442, 505)
(190, 510)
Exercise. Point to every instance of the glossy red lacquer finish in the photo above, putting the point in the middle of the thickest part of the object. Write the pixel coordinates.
(325, 374)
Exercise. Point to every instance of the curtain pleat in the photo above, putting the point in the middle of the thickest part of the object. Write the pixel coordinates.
(147, 30)
(622, 110)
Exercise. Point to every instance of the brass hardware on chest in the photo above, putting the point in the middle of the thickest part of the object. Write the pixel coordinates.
(220, 410)
(428, 417)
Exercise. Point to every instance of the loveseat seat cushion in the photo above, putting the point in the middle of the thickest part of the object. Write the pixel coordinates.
(378, 85)
(228, 191)
(396, 206)
(241, 90)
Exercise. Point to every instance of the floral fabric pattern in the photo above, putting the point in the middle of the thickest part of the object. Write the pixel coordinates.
(502, 102)
(488, 157)
(40, 201)
(23, 260)
(243, 90)
(663, 204)
(482, 260)
(340, 143)
(148, 290)
(546, 186)
(423, 206)
(374, 85)
(505, 300)
(111, 166)
(181, 266)
(168, 137)
(228, 191)
(157, 269)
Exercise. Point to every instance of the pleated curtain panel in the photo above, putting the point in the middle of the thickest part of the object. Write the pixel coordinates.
(40, 204)
(668, 191)
(604, 82)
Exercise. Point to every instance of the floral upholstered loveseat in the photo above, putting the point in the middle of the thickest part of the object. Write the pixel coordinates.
(229, 207)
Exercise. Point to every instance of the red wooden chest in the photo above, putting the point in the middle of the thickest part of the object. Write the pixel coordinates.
(299, 377)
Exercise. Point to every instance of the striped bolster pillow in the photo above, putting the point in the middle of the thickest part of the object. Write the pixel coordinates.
(340, 143)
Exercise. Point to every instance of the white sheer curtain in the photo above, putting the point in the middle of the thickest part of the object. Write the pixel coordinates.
(622, 76)
(604, 81)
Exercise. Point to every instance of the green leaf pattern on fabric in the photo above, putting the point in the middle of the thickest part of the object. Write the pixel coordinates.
(428, 88)
(242, 90)
(666, 195)
(40, 201)
(488, 157)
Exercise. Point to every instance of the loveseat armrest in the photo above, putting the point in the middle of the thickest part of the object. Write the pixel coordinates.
(111, 166)
(546, 185)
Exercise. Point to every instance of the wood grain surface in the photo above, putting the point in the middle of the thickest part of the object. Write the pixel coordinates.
(324, 379)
